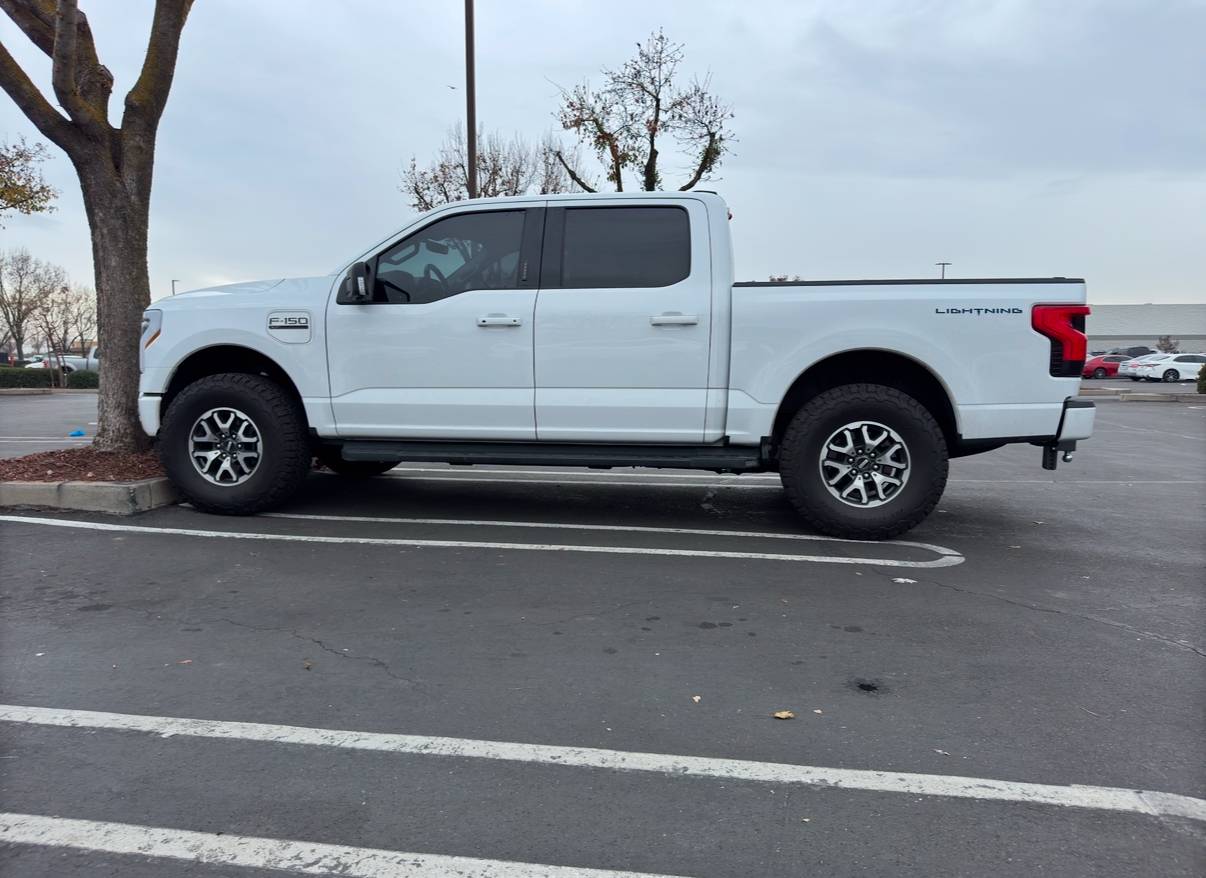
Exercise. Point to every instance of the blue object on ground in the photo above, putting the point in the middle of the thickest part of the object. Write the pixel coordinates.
(76, 433)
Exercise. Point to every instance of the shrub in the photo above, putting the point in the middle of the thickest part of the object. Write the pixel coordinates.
(11, 376)
(83, 380)
(1202, 380)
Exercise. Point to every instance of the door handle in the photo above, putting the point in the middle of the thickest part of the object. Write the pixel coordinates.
(674, 318)
(499, 320)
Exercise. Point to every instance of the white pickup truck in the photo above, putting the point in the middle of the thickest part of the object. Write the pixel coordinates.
(606, 331)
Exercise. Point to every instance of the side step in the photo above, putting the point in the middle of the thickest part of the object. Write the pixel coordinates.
(718, 458)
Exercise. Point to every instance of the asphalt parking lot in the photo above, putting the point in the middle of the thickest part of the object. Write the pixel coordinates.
(572, 673)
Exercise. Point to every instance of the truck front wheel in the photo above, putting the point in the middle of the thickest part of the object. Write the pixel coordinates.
(235, 444)
(863, 461)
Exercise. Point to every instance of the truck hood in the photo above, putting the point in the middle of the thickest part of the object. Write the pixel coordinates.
(299, 291)
(243, 287)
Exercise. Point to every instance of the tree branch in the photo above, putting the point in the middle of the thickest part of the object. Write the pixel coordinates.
(36, 20)
(573, 175)
(146, 100)
(707, 160)
(33, 104)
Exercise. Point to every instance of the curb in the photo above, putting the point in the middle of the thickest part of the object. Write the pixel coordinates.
(1161, 397)
(1134, 396)
(116, 498)
(23, 391)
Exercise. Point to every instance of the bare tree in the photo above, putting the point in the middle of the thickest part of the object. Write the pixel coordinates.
(81, 316)
(638, 104)
(53, 319)
(505, 166)
(1168, 345)
(114, 165)
(22, 188)
(26, 287)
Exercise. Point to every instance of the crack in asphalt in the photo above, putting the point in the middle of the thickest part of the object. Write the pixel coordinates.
(292, 632)
(1039, 608)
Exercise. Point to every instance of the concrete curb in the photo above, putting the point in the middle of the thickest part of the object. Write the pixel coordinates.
(1162, 397)
(1136, 396)
(117, 498)
(23, 391)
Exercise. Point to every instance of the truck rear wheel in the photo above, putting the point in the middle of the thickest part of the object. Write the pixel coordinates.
(863, 461)
(235, 444)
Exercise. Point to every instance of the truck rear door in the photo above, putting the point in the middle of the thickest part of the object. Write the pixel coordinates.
(622, 322)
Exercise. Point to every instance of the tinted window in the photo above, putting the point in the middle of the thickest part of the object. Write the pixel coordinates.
(470, 251)
(1115, 359)
(625, 247)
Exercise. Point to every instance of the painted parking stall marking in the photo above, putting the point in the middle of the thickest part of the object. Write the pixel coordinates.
(946, 557)
(1143, 802)
(618, 528)
(298, 857)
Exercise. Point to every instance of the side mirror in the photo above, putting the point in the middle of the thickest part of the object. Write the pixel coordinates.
(357, 287)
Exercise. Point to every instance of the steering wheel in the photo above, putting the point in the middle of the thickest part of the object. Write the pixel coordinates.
(393, 286)
(430, 272)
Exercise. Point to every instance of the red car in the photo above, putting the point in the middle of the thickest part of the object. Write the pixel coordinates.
(1103, 367)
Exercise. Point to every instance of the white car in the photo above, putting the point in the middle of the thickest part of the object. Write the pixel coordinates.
(606, 330)
(1130, 369)
(1173, 367)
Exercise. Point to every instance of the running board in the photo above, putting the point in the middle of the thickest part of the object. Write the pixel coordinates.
(718, 458)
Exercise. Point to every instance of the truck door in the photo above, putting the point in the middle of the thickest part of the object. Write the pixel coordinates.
(623, 323)
(444, 349)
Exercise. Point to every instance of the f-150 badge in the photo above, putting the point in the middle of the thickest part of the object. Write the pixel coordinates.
(291, 327)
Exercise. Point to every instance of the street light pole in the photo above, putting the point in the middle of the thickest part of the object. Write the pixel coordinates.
(470, 99)
(943, 266)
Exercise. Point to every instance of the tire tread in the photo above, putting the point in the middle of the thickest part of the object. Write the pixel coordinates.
(792, 446)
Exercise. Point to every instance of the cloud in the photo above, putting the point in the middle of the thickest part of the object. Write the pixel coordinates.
(1010, 137)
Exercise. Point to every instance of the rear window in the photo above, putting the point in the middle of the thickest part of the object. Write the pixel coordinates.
(625, 247)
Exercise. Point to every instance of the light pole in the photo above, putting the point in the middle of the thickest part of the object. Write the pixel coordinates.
(470, 100)
(174, 282)
(943, 266)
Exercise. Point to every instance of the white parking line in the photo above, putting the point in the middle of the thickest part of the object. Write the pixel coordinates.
(621, 528)
(1075, 796)
(941, 561)
(298, 857)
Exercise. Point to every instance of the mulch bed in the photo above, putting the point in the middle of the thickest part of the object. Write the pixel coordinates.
(81, 465)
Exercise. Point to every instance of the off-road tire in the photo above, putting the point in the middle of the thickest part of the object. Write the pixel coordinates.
(352, 469)
(800, 453)
(285, 457)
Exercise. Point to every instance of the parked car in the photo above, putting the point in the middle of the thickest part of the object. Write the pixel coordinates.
(1130, 368)
(1137, 351)
(1103, 367)
(603, 331)
(70, 362)
(1173, 367)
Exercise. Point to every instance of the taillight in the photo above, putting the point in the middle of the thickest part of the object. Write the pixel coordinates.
(1064, 325)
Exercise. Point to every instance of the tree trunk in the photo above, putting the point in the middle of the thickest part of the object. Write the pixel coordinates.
(118, 221)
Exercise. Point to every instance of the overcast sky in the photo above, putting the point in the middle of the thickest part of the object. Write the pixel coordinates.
(1009, 137)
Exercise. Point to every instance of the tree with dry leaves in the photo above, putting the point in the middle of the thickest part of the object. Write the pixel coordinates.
(114, 165)
(640, 106)
(27, 286)
(22, 188)
(505, 166)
